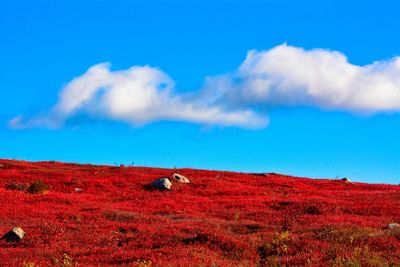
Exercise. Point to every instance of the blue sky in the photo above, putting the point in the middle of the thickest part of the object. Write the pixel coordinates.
(343, 124)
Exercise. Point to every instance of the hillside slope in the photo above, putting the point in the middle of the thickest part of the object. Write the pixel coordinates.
(107, 215)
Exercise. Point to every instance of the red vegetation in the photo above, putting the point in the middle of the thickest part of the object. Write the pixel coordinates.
(220, 219)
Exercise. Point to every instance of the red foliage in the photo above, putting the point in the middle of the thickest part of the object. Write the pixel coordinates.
(220, 219)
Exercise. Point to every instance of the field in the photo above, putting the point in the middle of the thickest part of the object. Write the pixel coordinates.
(108, 215)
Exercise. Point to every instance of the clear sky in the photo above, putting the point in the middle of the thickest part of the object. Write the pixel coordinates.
(172, 83)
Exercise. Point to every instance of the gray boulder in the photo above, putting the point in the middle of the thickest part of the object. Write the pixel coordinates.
(162, 183)
(345, 179)
(14, 235)
(180, 178)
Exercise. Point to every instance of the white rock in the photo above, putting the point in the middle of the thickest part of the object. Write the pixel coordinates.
(180, 178)
(162, 183)
(14, 235)
(391, 226)
(78, 190)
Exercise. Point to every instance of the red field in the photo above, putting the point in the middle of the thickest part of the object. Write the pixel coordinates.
(220, 219)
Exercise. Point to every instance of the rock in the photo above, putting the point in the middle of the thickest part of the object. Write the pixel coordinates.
(78, 190)
(162, 183)
(345, 179)
(14, 235)
(180, 178)
(392, 226)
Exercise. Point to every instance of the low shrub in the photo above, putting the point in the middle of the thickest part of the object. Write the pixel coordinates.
(118, 215)
(312, 210)
(38, 187)
(64, 261)
(361, 256)
(143, 263)
(345, 236)
(271, 250)
(13, 185)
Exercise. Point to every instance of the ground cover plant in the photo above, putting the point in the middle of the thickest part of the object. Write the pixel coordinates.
(87, 215)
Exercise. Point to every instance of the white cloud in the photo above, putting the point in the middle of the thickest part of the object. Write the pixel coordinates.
(292, 76)
(282, 76)
(138, 95)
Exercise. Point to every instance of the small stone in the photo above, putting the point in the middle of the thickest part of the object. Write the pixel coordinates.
(14, 235)
(78, 190)
(162, 183)
(180, 178)
(392, 226)
(260, 174)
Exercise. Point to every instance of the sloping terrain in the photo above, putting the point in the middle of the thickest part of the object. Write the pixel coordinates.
(107, 215)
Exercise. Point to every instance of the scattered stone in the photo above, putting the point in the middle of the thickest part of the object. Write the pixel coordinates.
(162, 183)
(345, 179)
(78, 190)
(122, 231)
(180, 178)
(198, 239)
(392, 226)
(260, 174)
(253, 228)
(312, 210)
(14, 235)
(286, 203)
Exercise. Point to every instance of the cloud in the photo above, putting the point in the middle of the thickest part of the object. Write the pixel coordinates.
(138, 95)
(284, 76)
(291, 76)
